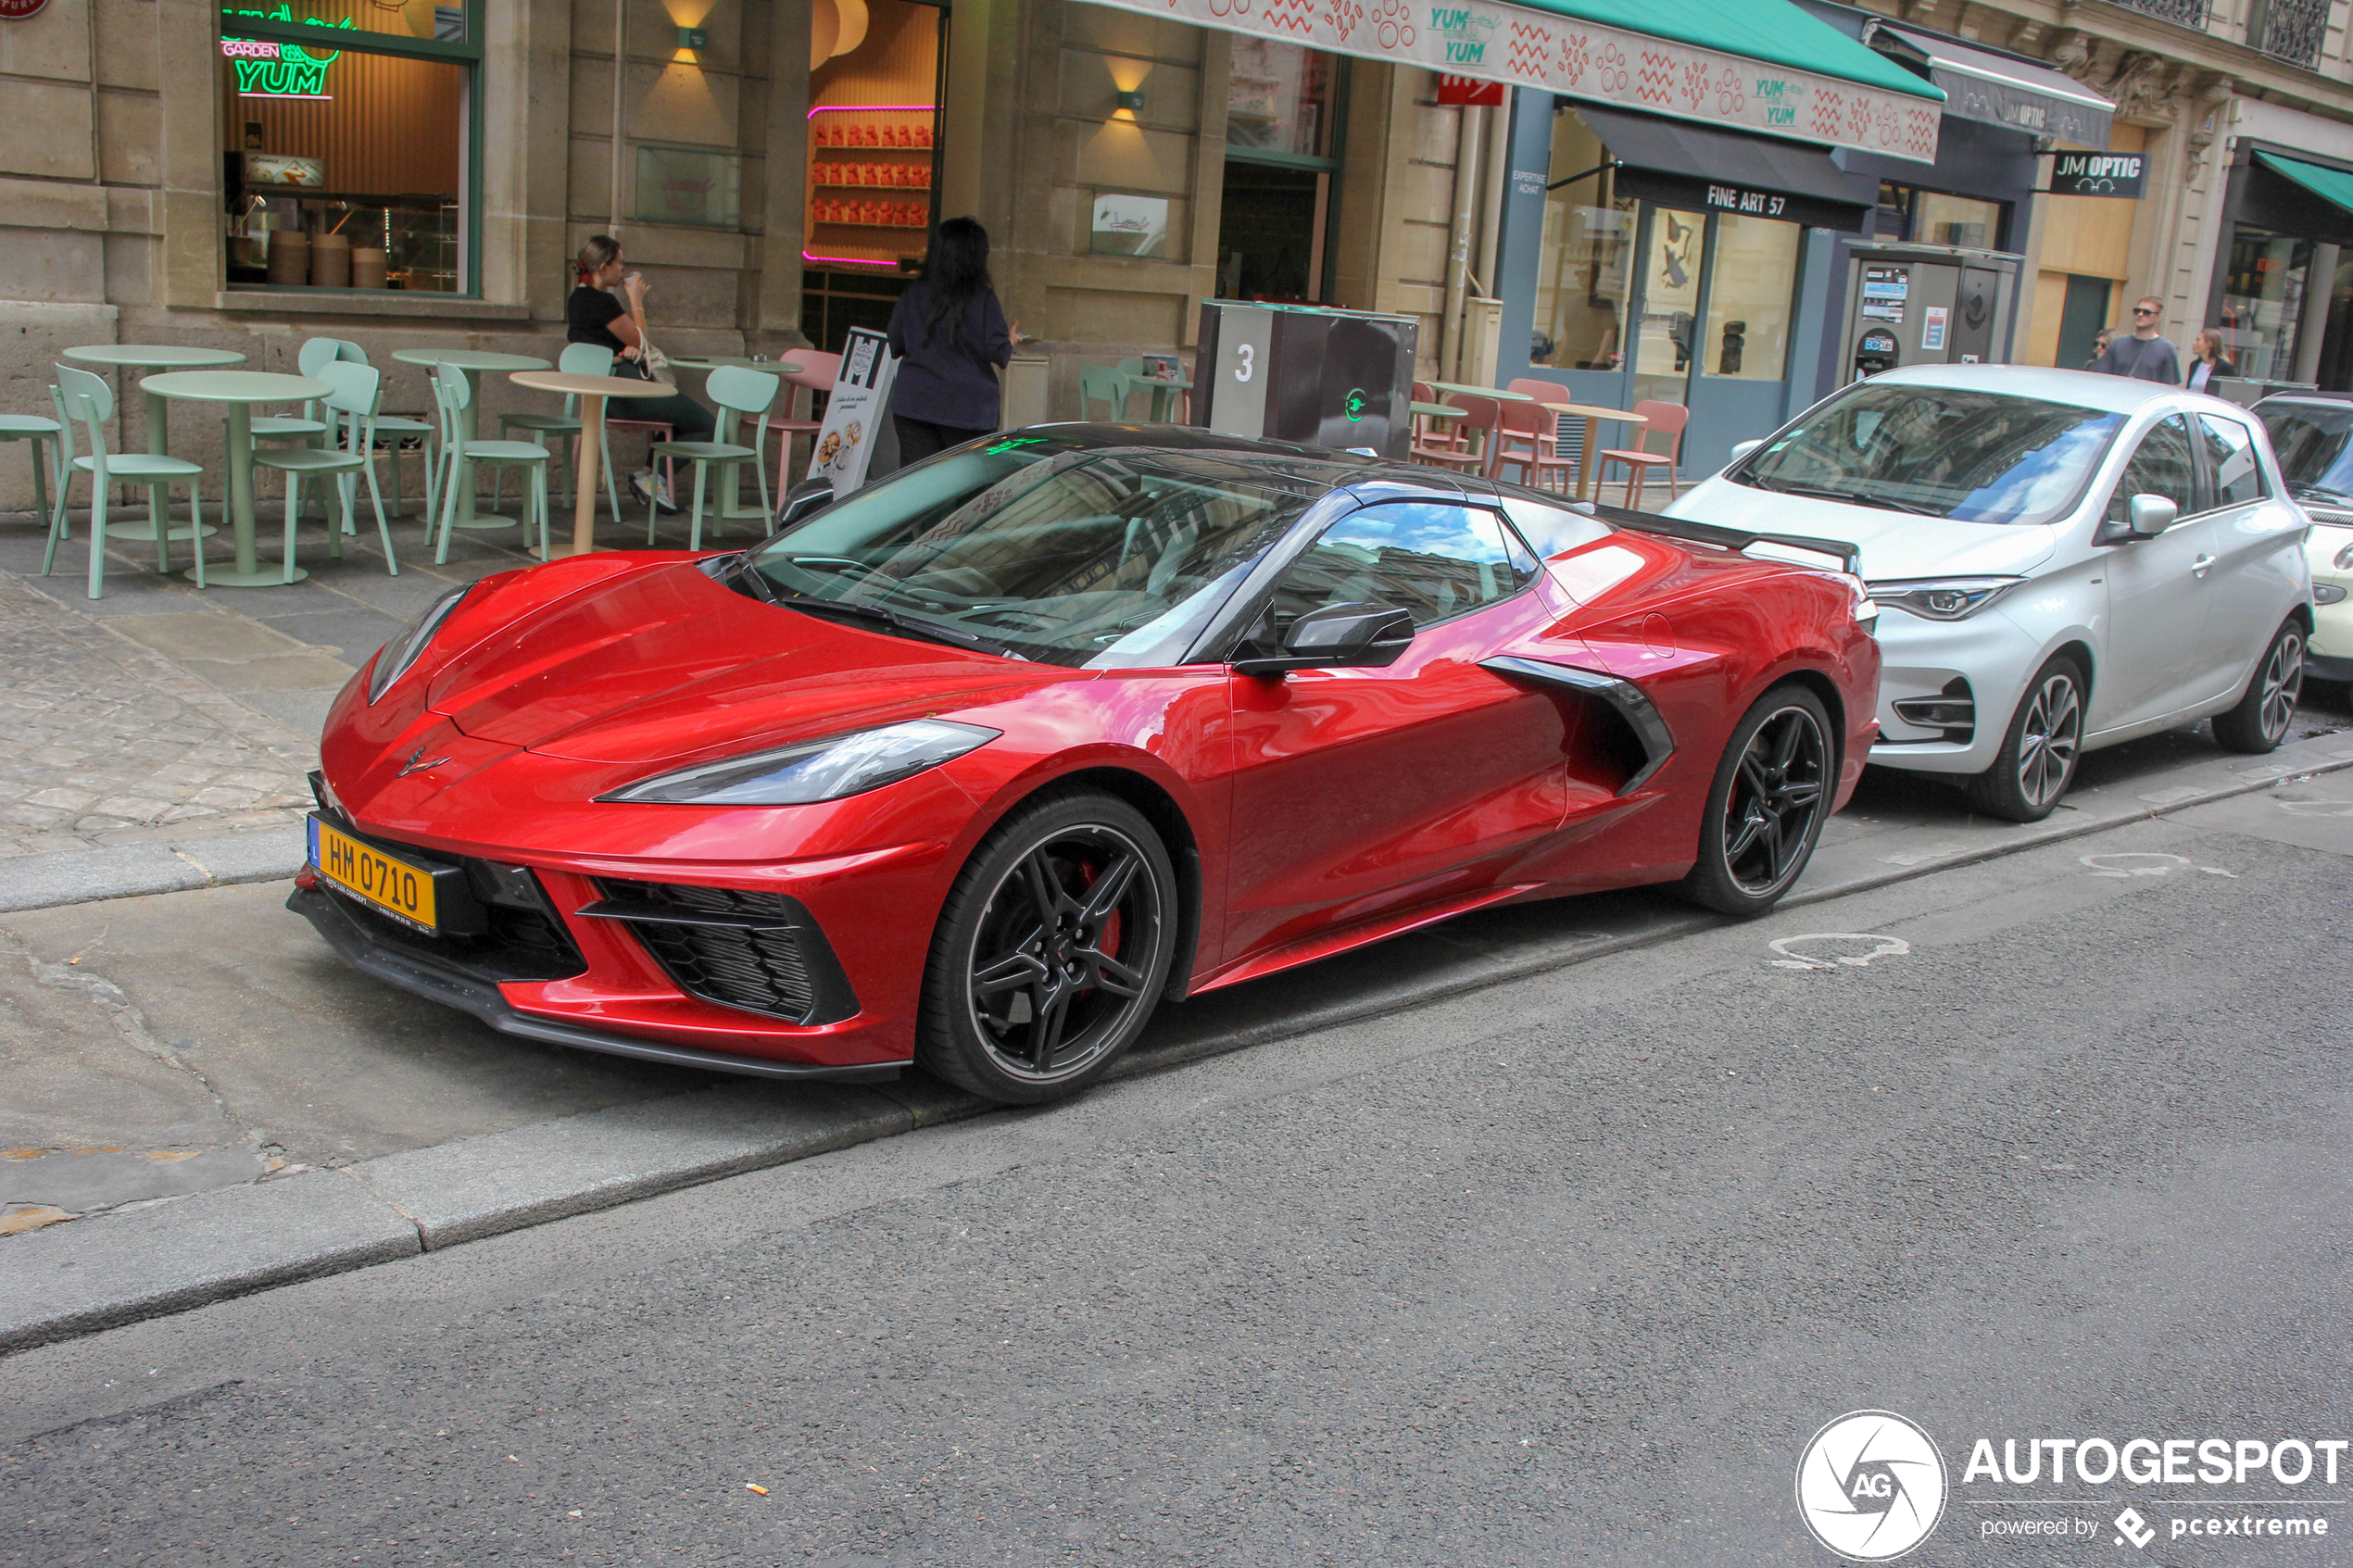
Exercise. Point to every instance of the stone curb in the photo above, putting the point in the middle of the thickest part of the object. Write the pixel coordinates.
(94, 1275)
(128, 870)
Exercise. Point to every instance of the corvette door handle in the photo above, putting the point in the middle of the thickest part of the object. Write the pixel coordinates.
(2199, 567)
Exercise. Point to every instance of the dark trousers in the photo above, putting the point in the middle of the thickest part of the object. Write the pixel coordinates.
(919, 439)
(687, 419)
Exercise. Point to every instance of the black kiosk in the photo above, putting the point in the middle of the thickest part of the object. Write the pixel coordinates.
(1322, 377)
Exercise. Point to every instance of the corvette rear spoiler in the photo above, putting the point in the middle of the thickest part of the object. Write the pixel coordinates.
(1849, 556)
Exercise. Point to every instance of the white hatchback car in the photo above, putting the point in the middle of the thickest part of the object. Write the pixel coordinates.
(2063, 561)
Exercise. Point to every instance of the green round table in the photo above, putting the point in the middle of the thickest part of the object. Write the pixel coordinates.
(149, 356)
(741, 362)
(239, 390)
(473, 362)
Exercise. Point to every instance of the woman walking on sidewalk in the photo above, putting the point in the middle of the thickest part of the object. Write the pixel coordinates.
(593, 315)
(951, 337)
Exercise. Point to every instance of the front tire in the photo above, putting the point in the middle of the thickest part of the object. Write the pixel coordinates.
(2259, 720)
(2039, 753)
(1052, 951)
(1765, 809)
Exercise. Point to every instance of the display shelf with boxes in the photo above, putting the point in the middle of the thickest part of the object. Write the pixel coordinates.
(869, 147)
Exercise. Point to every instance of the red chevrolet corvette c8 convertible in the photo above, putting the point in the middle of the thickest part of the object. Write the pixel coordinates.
(973, 767)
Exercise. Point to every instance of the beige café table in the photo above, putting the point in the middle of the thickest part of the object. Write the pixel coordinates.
(240, 390)
(592, 391)
(472, 362)
(149, 356)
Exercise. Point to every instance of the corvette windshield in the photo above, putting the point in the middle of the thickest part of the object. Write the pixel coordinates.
(1941, 452)
(1090, 558)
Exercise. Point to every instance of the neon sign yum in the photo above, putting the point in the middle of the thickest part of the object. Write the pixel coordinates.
(278, 70)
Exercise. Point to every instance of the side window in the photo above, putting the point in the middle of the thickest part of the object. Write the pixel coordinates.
(2230, 452)
(1437, 561)
(2161, 467)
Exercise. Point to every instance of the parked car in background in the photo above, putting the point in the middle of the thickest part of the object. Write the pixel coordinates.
(974, 766)
(2312, 432)
(2065, 561)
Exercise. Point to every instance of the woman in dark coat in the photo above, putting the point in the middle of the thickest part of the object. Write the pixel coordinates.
(950, 338)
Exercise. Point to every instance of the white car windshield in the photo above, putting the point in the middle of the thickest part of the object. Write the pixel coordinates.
(1963, 454)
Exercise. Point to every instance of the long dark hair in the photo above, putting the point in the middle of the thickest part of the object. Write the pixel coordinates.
(956, 268)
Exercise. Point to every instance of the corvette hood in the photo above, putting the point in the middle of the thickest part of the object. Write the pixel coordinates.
(667, 665)
(1894, 544)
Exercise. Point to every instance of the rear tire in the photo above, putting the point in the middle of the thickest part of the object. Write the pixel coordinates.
(1765, 809)
(2036, 764)
(1052, 951)
(2259, 720)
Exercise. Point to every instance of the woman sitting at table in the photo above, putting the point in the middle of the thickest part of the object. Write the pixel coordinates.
(593, 315)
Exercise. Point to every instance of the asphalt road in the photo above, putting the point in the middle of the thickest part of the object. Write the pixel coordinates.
(1562, 1271)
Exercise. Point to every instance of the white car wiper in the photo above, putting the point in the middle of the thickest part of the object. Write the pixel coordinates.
(1856, 499)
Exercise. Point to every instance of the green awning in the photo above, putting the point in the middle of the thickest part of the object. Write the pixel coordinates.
(2332, 186)
(1772, 31)
(1764, 67)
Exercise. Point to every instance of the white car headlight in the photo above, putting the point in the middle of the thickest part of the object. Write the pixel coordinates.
(394, 659)
(1943, 598)
(812, 771)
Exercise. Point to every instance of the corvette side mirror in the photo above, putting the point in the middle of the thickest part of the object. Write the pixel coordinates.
(804, 501)
(1342, 636)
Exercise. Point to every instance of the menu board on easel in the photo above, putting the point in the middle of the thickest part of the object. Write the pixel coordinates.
(854, 411)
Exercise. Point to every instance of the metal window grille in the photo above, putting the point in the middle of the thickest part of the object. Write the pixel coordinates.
(2189, 13)
(2290, 30)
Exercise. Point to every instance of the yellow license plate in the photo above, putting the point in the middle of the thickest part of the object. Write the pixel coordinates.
(399, 889)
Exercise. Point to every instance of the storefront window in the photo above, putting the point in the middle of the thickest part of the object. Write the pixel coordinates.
(1282, 151)
(1932, 217)
(2263, 301)
(1670, 304)
(1279, 98)
(348, 167)
(1584, 274)
(1748, 304)
(873, 132)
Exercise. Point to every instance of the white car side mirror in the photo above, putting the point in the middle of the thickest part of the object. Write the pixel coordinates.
(2148, 516)
(1742, 448)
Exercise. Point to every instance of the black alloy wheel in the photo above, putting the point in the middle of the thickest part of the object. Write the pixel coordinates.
(1052, 952)
(1765, 810)
(2037, 761)
(2259, 720)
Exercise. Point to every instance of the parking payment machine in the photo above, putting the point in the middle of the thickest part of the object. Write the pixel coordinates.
(1321, 377)
(1927, 304)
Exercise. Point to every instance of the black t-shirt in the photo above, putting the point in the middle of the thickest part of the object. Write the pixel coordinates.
(588, 316)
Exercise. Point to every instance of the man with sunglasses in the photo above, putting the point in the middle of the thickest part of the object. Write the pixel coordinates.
(2145, 356)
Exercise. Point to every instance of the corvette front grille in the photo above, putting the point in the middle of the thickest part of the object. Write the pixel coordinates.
(758, 951)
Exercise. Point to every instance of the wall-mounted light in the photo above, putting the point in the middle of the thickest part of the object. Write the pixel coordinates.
(1132, 100)
(693, 38)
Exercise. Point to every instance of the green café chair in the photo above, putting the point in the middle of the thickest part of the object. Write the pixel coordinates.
(1102, 383)
(577, 359)
(352, 407)
(42, 433)
(738, 393)
(89, 402)
(308, 428)
(460, 454)
(391, 431)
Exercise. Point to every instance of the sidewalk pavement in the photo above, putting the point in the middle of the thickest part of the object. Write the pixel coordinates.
(218, 1105)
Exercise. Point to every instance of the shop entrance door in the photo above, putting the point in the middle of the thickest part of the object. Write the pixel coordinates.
(1714, 298)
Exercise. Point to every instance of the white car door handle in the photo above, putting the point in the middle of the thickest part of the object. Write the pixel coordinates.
(2199, 567)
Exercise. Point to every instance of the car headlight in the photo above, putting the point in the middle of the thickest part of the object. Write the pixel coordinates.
(394, 657)
(812, 771)
(1943, 598)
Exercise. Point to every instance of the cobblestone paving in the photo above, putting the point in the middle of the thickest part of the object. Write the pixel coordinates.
(104, 741)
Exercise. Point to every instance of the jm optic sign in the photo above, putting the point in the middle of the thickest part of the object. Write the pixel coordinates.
(2098, 174)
